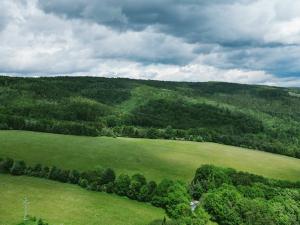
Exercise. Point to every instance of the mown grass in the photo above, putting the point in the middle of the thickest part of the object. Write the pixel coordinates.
(68, 204)
(156, 159)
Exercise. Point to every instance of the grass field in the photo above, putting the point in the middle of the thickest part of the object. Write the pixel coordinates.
(68, 204)
(156, 159)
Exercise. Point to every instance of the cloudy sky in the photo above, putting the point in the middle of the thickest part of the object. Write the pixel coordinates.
(246, 41)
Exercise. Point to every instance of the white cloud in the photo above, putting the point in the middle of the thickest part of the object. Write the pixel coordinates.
(191, 72)
(33, 42)
(40, 42)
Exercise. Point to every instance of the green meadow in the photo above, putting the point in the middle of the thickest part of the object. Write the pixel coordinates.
(68, 204)
(156, 159)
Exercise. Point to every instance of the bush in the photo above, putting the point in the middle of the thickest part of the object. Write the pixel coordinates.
(83, 183)
(74, 176)
(122, 184)
(18, 168)
(178, 201)
(36, 170)
(147, 192)
(5, 165)
(224, 205)
(107, 176)
(160, 195)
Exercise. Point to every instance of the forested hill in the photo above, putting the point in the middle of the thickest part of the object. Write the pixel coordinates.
(259, 117)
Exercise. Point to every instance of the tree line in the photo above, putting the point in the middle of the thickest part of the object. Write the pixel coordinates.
(112, 128)
(262, 118)
(226, 196)
(170, 195)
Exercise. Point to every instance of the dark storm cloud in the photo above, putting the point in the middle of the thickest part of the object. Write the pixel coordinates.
(196, 21)
(278, 59)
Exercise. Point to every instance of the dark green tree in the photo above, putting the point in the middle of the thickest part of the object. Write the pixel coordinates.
(18, 168)
(74, 176)
(159, 198)
(108, 175)
(122, 184)
(5, 165)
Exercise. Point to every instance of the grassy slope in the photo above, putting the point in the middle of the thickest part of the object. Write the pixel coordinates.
(156, 159)
(69, 204)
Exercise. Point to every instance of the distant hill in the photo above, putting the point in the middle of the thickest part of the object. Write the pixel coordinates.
(259, 117)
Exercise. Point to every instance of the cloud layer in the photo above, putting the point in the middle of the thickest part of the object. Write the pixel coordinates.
(194, 40)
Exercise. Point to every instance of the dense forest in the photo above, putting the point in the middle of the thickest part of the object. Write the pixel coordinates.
(259, 117)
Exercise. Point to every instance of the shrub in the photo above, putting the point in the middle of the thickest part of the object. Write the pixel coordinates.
(83, 183)
(122, 184)
(74, 176)
(18, 168)
(107, 176)
(5, 165)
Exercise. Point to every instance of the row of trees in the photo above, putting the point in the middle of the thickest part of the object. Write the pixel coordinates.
(170, 195)
(8, 122)
(260, 142)
(226, 196)
(255, 141)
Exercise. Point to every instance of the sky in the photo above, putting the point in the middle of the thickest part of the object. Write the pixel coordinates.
(243, 41)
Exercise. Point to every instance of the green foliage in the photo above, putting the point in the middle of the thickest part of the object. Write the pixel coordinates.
(227, 205)
(147, 191)
(160, 195)
(62, 203)
(172, 196)
(233, 197)
(83, 183)
(108, 176)
(136, 184)
(198, 217)
(183, 115)
(178, 201)
(227, 197)
(18, 168)
(207, 177)
(5, 165)
(224, 205)
(259, 117)
(122, 184)
(156, 159)
(74, 177)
